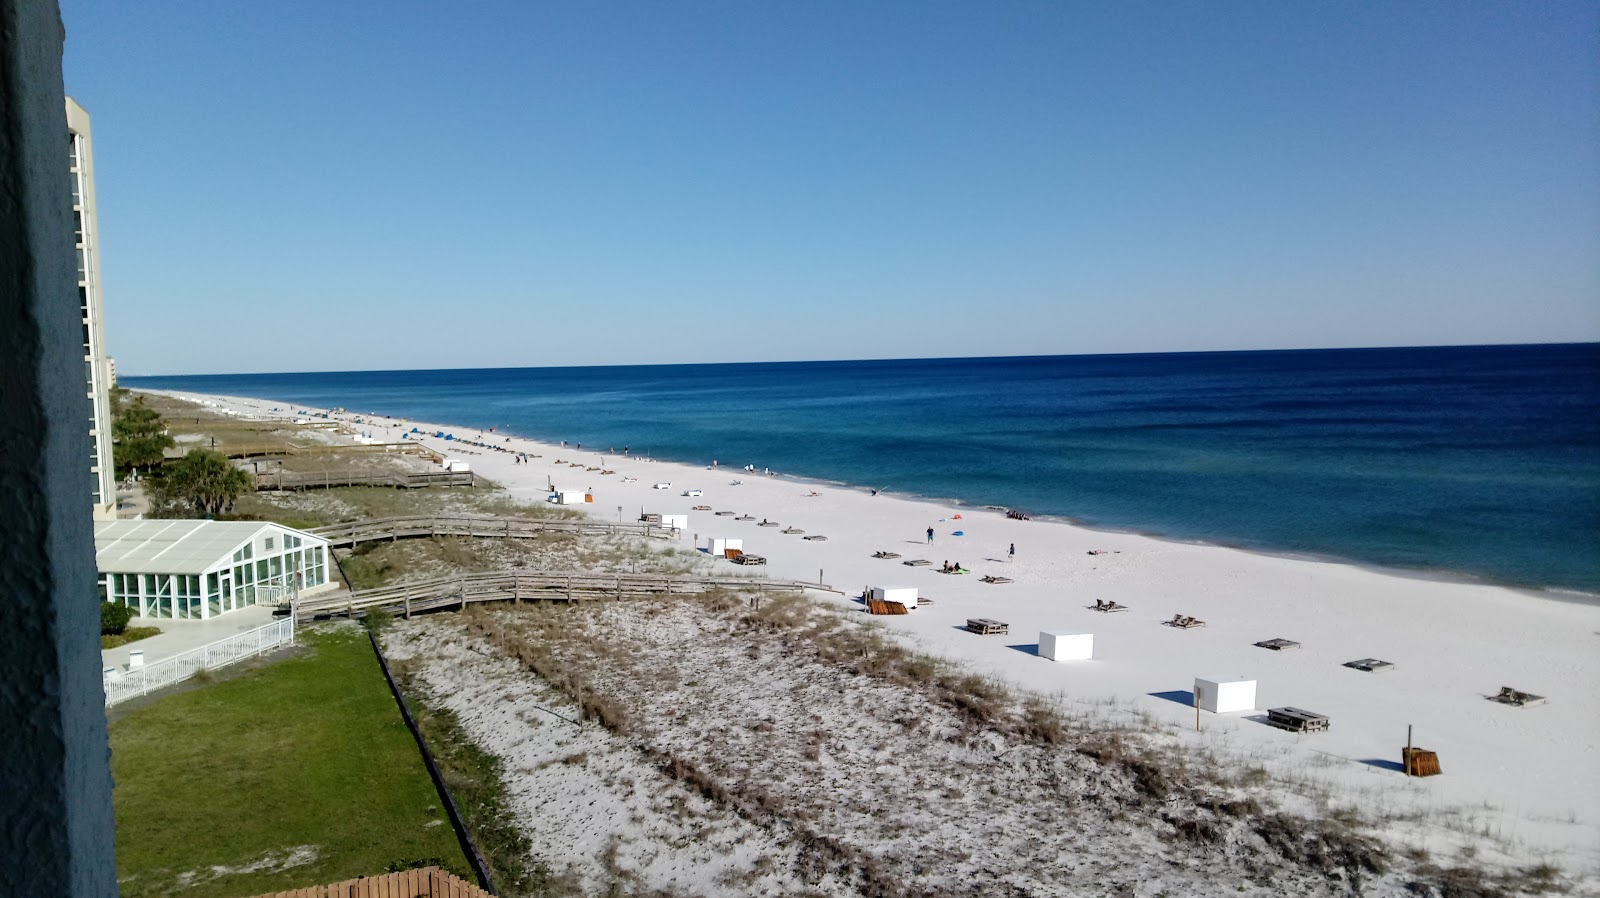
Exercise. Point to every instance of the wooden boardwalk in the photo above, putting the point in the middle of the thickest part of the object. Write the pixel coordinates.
(529, 586)
(427, 882)
(406, 480)
(488, 526)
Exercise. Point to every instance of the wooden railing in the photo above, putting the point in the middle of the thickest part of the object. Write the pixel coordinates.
(491, 526)
(528, 586)
(299, 480)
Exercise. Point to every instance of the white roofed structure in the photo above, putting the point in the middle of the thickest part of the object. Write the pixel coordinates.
(199, 569)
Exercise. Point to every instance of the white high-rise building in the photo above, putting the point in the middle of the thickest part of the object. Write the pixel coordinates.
(97, 367)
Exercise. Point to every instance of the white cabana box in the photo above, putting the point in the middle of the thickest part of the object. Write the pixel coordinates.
(456, 466)
(1225, 693)
(675, 521)
(905, 595)
(1066, 645)
(720, 547)
(560, 497)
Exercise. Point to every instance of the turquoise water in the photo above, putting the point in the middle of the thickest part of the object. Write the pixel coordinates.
(1474, 461)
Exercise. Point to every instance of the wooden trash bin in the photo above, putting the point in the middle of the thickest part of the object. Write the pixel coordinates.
(1419, 762)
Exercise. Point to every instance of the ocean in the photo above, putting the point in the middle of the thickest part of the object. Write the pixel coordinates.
(1480, 462)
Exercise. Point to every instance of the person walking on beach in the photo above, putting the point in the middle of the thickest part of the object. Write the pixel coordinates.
(930, 536)
(1011, 553)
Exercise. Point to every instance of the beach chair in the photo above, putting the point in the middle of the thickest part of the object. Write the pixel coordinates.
(1370, 665)
(983, 626)
(990, 578)
(1517, 698)
(1278, 645)
(791, 530)
(816, 538)
(917, 562)
(885, 554)
(1107, 607)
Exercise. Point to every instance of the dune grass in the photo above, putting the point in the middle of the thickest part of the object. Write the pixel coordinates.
(296, 774)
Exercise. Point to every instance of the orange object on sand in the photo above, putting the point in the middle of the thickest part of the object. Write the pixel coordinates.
(956, 518)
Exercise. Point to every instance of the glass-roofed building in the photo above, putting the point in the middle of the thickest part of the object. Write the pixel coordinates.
(200, 569)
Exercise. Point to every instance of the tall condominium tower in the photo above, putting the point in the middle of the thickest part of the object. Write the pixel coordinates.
(97, 367)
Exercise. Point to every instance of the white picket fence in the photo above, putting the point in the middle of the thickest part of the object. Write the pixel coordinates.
(121, 686)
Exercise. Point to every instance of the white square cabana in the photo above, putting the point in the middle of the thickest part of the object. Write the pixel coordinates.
(200, 569)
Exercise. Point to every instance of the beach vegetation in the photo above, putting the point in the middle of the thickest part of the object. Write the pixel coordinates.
(204, 481)
(291, 774)
(114, 618)
(131, 634)
(139, 437)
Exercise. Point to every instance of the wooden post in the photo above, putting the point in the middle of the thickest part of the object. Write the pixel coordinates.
(1197, 709)
(1405, 762)
(408, 603)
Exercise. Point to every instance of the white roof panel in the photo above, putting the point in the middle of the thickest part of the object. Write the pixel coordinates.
(174, 547)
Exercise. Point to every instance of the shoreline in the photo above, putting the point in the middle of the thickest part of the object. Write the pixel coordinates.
(1555, 592)
(1525, 772)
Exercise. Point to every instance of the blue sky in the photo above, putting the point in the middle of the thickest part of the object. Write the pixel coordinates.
(319, 186)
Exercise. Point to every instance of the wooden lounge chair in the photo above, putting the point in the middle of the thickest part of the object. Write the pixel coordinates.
(726, 514)
(1509, 696)
(747, 558)
(1297, 720)
(990, 578)
(792, 530)
(1107, 607)
(1278, 645)
(885, 554)
(1183, 622)
(816, 538)
(1370, 665)
(983, 626)
(745, 517)
(702, 508)
(917, 562)
(769, 524)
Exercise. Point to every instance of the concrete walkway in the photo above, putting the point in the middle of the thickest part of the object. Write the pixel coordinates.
(179, 636)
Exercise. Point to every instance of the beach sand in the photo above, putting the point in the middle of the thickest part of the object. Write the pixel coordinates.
(1521, 784)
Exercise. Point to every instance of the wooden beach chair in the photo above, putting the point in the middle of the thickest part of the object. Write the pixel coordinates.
(1297, 720)
(885, 554)
(1370, 665)
(816, 538)
(1183, 622)
(702, 508)
(990, 578)
(917, 562)
(1517, 698)
(1107, 607)
(792, 530)
(745, 517)
(747, 558)
(983, 626)
(1278, 645)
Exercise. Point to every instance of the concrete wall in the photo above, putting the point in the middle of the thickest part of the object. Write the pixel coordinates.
(56, 829)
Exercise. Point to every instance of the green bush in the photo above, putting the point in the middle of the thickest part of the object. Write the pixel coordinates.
(114, 618)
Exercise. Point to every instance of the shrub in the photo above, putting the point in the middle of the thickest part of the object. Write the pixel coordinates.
(114, 618)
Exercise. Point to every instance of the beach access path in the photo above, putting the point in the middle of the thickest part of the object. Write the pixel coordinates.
(1523, 783)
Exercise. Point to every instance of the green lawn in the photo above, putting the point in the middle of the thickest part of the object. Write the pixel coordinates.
(306, 755)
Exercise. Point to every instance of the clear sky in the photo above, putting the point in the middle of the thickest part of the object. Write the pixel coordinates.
(293, 186)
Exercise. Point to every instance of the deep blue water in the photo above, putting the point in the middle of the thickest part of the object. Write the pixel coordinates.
(1482, 461)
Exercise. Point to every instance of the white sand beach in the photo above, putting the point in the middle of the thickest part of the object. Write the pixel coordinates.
(1520, 783)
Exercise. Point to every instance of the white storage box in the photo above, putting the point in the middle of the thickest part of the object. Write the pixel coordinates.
(1223, 694)
(905, 595)
(1066, 645)
(675, 521)
(720, 547)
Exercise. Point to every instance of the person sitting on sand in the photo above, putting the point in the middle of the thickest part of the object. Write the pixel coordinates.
(946, 568)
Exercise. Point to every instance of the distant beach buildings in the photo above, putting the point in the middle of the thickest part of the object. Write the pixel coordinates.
(97, 366)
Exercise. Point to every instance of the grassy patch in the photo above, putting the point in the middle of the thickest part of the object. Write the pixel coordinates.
(132, 634)
(297, 774)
